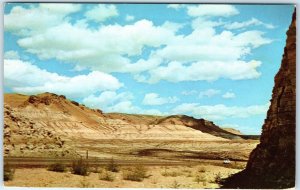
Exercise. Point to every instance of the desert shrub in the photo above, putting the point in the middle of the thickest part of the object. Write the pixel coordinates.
(80, 167)
(106, 176)
(84, 183)
(186, 171)
(175, 185)
(96, 169)
(218, 178)
(239, 166)
(199, 178)
(171, 174)
(202, 170)
(57, 167)
(8, 173)
(138, 173)
(112, 166)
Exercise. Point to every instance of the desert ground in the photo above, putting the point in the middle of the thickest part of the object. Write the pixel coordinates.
(200, 176)
(46, 136)
(167, 164)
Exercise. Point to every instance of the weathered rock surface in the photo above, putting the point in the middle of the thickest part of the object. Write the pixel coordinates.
(272, 162)
(23, 136)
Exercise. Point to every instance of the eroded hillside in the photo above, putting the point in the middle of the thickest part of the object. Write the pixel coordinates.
(50, 122)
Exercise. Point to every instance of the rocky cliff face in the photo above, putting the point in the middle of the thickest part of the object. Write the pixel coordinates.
(272, 162)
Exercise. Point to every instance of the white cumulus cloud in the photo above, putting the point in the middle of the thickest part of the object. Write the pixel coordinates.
(155, 99)
(11, 55)
(106, 99)
(228, 95)
(129, 18)
(111, 101)
(24, 77)
(212, 10)
(102, 12)
(31, 21)
(205, 71)
(104, 49)
(176, 6)
(46, 31)
(209, 93)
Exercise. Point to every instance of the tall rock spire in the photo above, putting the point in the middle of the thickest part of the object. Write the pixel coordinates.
(272, 162)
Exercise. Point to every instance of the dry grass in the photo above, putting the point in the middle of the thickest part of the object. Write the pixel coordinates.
(85, 184)
(171, 173)
(218, 178)
(112, 166)
(175, 185)
(200, 178)
(129, 177)
(106, 176)
(138, 173)
(96, 169)
(57, 167)
(202, 170)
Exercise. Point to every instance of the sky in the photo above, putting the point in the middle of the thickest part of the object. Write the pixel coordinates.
(209, 61)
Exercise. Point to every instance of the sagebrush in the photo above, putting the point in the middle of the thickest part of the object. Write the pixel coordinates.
(57, 167)
(138, 173)
(80, 167)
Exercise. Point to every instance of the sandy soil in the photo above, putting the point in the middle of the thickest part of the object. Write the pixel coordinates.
(167, 150)
(158, 177)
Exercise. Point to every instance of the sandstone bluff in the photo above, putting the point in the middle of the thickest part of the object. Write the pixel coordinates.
(272, 162)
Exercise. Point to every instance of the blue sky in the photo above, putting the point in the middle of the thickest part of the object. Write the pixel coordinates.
(216, 62)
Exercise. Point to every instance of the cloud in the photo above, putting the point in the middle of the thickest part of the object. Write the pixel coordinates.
(106, 99)
(102, 12)
(154, 99)
(206, 45)
(111, 101)
(211, 10)
(220, 111)
(128, 107)
(124, 107)
(175, 6)
(205, 71)
(228, 95)
(11, 55)
(252, 22)
(129, 18)
(209, 93)
(111, 55)
(204, 23)
(24, 22)
(24, 77)
(205, 58)
(113, 48)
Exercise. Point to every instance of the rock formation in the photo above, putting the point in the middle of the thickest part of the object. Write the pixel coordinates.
(272, 162)
(48, 123)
